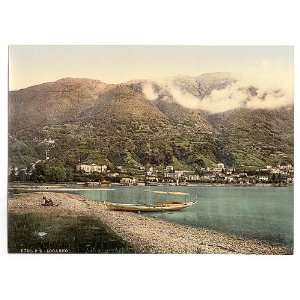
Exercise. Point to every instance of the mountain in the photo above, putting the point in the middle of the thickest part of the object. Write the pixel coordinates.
(147, 122)
(52, 102)
(256, 137)
(202, 86)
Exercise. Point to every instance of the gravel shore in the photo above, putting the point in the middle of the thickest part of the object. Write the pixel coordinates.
(145, 234)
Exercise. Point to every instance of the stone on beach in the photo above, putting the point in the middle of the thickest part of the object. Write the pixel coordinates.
(145, 234)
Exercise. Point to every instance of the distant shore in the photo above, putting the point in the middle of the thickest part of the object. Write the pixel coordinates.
(143, 233)
(66, 186)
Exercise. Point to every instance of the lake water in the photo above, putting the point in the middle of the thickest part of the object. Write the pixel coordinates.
(260, 212)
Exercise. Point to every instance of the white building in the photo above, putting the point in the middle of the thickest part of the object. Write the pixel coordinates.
(169, 168)
(128, 181)
(263, 178)
(113, 174)
(169, 175)
(275, 171)
(179, 173)
(220, 165)
(193, 177)
(91, 168)
(150, 171)
(286, 167)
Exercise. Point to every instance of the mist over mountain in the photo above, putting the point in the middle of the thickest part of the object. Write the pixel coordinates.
(219, 92)
(186, 121)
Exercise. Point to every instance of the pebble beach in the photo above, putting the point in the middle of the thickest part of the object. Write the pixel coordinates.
(145, 234)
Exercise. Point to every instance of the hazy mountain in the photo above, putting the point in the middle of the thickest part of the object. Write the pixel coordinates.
(148, 122)
(203, 85)
(52, 102)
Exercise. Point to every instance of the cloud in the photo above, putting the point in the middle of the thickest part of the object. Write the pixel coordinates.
(261, 86)
(269, 102)
(149, 91)
(222, 100)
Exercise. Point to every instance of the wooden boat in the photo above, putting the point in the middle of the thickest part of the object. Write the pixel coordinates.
(159, 207)
(105, 183)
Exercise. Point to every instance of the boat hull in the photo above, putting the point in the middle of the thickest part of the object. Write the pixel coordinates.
(147, 208)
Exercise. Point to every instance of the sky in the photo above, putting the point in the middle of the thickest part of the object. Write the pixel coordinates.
(30, 65)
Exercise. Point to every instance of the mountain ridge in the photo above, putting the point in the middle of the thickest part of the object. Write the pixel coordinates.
(119, 123)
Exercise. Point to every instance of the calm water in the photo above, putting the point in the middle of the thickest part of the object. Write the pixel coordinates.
(258, 212)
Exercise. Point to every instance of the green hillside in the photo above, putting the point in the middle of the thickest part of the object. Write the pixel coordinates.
(93, 121)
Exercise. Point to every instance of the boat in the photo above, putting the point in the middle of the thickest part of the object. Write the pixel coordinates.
(161, 206)
(105, 183)
(151, 183)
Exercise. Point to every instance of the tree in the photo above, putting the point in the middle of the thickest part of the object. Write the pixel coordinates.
(39, 172)
(69, 174)
(22, 176)
(56, 173)
(12, 175)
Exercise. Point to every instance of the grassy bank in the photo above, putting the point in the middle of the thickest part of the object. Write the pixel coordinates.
(34, 233)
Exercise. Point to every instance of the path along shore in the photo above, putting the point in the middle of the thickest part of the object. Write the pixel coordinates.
(145, 234)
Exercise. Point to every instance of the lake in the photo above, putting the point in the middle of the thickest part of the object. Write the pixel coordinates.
(261, 212)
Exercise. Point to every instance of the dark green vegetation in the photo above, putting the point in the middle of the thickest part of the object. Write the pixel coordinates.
(115, 124)
(32, 233)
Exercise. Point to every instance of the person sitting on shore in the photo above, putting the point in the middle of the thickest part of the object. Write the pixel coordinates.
(47, 202)
(50, 202)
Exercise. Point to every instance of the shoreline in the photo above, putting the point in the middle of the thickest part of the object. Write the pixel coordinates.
(73, 186)
(144, 233)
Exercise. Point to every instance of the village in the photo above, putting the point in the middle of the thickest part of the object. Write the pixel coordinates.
(219, 174)
(280, 175)
(151, 175)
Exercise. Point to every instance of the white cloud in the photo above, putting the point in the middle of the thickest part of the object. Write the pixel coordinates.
(149, 91)
(273, 89)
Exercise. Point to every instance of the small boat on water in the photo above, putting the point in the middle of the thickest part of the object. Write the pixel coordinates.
(157, 207)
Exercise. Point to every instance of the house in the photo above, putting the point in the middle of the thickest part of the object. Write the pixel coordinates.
(205, 178)
(91, 168)
(151, 179)
(150, 171)
(220, 165)
(112, 175)
(263, 178)
(169, 169)
(179, 174)
(243, 175)
(219, 168)
(128, 181)
(230, 179)
(174, 175)
(275, 171)
(193, 177)
(169, 175)
(285, 167)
